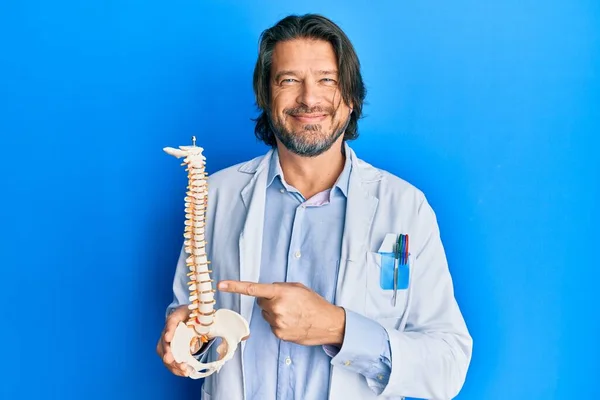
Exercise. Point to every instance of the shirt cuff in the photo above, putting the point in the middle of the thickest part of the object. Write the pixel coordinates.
(365, 350)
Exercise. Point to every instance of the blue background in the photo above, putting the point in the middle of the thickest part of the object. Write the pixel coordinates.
(490, 107)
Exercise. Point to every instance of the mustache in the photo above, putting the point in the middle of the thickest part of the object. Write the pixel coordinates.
(308, 110)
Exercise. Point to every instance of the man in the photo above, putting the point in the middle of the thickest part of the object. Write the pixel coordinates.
(295, 237)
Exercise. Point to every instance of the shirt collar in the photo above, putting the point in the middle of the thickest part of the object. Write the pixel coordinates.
(342, 182)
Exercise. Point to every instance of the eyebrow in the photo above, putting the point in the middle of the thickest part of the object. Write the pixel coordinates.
(283, 73)
(327, 72)
(294, 73)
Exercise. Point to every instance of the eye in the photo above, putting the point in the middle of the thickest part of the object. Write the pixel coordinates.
(287, 81)
(328, 81)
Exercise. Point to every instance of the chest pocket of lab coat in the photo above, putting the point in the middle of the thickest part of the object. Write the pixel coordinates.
(379, 302)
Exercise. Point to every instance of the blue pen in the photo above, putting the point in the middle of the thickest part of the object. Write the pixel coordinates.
(402, 248)
(399, 251)
(396, 257)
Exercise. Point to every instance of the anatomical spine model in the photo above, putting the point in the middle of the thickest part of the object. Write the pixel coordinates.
(204, 323)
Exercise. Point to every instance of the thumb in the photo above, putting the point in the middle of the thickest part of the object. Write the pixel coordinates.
(169, 332)
(179, 315)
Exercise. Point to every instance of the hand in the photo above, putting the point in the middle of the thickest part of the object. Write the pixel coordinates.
(163, 348)
(296, 313)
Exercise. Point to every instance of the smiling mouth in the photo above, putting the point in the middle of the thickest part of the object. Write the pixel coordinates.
(309, 118)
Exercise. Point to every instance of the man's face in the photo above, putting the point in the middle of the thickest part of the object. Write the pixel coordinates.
(307, 112)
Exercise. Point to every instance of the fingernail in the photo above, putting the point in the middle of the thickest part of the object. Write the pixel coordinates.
(223, 285)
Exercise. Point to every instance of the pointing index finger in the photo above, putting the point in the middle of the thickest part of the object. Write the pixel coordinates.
(262, 290)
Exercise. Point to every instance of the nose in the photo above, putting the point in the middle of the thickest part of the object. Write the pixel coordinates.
(309, 95)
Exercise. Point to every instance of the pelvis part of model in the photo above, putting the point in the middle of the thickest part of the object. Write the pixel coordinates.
(204, 323)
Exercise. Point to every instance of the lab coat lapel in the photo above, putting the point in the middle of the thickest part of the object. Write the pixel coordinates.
(250, 243)
(360, 211)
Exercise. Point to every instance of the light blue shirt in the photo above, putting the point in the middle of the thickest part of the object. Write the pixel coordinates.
(301, 243)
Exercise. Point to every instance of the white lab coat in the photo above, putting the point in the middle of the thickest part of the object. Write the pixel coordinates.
(430, 344)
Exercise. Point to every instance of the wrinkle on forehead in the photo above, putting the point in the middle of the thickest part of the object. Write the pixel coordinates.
(303, 55)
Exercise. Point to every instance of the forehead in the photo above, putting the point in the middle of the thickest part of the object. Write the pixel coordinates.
(303, 54)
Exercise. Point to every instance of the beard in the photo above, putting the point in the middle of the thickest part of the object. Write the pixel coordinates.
(311, 141)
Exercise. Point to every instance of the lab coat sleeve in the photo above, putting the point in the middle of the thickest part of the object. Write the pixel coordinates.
(430, 357)
(365, 350)
(181, 293)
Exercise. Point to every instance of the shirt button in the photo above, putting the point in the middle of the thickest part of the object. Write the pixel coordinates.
(380, 377)
(297, 254)
(346, 363)
(288, 361)
(281, 190)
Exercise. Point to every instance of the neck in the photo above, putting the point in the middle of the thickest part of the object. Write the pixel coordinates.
(311, 175)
